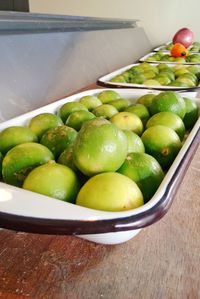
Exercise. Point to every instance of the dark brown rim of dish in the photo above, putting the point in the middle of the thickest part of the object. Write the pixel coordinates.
(160, 88)
(79, 227)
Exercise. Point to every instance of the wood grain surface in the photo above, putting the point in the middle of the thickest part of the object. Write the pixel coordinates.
(162, 261)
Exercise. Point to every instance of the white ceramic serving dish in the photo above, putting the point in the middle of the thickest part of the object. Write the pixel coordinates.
(105, 81)
(27, 211)
(168, 62)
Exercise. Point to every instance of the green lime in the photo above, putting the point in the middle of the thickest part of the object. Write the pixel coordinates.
(135, 143)
(66, 158)
(152, 82)
(168, 101)
(146, 99)
(77, 118)
(54, 180)
(14, 135)
(128, 121)
(108, 95)
(140, 110)
(191, 115)
(110, 191)
(145, 171)
(21, 159)
(58, 139)
(90, 102)
(99, 147)
(1, 160)
(163, 143)
(105, 110)
(66, 109)
(120, 104)
(168, 119)
(44, 121)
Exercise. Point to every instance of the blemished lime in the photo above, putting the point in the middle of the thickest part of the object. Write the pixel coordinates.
(15, 135)
(40, 123)
(145, 171)
(99, 147)
(110, 191)
(54, 180)
(163, 143)
(21, 159)
(58, 139)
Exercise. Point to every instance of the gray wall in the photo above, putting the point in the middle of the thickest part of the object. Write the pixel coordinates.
(39, 68)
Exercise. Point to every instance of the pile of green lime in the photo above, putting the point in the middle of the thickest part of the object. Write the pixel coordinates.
(160, 75)
(102, 152)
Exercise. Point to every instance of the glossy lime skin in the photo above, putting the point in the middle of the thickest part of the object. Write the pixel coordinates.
(90, 102)
(145, 171)
(168, 119)
(15, 135)
(66, 109)
(21, 159)
(54, 180)
(110, 192)
(168, 101)
(108, 95)
(163, 143)
(40, 123)
(128, 121)
(99, 147)
(191, 114)
(78, 118)
(135, 143)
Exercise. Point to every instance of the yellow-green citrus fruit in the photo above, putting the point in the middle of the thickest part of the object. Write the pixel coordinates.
(54, 180)
(76, 119)
(163, 143)
(58, 139)
(120, 104)
(1, 159)
(108, 95)
(99, 147)
(66, 109)
(146, 99)
(110, 191)
(168, 119)
(168, 101)
(140, 110)
(66, 158)
(191, 114)
(90, 102)
(21, 159)
(128, 121)
(40, 123)
(135, 143)
(15, 135)
(145, 171)
(105, 110)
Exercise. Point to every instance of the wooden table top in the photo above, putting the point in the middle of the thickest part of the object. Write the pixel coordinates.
(161, 262)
